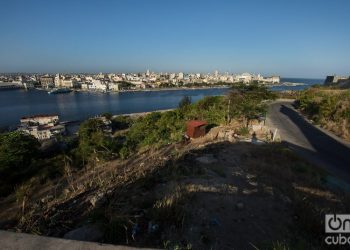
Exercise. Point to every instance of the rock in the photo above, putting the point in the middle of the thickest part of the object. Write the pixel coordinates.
(47, 199)
(206, 159)
(80, 187)
(97, 200)
(85, 233)
(221, 134)
(66, 191)
(240, 206)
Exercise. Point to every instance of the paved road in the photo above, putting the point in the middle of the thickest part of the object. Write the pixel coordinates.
(316, 145)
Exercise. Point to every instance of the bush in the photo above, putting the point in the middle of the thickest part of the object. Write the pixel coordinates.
(327, 107)
(185, 102)
(122, 122)
(94, 141)
(155, 129)
(247, 101)
(17, 150)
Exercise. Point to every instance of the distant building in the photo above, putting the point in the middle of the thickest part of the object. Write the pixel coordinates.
(42, 127)
(6, 85)
(98, 85)
(216, 73)
(57, 81)
(245, 77)
(114, 86)
(46, 81)
(335, 79)
(67, 83)
(271, 79)
(41, 120)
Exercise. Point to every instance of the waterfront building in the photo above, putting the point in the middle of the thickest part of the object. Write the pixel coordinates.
(46, 81)
(57, 81)
(335, 79)
(85, 86)
(68, 83)
(98, 85)
(40, 120)
(245, 77)
(42, 127)
(113, 86)
(9, 85)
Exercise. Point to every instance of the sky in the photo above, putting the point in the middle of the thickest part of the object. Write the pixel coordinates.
(299, 38)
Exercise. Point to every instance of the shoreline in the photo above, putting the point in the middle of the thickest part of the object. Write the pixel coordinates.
(287, 84)
(146, 90)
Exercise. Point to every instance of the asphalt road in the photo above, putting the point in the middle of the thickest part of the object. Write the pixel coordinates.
(316, 145)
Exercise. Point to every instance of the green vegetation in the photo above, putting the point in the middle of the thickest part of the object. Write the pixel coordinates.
(329, 108)
(185, 101)
(17, 153)
(93, 141)
(154, 129)
(247, 102)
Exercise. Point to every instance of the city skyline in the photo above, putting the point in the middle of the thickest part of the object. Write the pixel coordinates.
(298, 39)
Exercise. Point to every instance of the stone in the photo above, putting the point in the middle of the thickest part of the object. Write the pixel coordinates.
(85, 233)
(66, 191)
(97, 200)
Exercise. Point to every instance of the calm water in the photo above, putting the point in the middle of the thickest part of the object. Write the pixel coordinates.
(15, 104)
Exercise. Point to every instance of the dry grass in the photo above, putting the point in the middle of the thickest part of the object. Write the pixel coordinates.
(170, 188)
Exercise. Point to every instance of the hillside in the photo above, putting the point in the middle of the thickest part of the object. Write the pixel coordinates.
(218, 194)
(328, 107)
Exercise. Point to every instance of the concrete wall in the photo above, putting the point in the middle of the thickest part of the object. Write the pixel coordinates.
(19, 241)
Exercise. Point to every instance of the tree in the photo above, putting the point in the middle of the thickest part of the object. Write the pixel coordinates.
(93, 140)
(17, 150)
(185, 102)
(247, 101)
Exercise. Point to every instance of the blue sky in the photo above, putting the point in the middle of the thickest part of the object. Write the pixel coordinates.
(306, 38)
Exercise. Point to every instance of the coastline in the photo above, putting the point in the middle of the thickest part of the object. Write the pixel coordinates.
(153, 89)
(287, 84)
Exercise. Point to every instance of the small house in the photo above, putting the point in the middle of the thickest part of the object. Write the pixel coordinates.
(196, 128)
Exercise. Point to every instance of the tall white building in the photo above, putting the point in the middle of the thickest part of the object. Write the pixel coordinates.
(57, 80)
